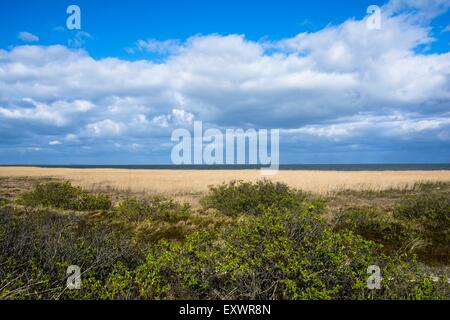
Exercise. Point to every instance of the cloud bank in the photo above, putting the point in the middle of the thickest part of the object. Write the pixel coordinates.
(344, 93)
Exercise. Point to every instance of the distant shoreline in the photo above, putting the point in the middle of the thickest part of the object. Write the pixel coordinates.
(283, 167)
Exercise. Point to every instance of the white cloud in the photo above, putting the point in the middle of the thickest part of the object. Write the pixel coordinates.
(152, 45)
(58, 113)
(27, 36)
(79, 39)
(314, 84)
(418, 10)
(181, 116)
(161, 121)
(71, 137)
(40, 112)
(377, 127)
(54, 142)
(105, 127)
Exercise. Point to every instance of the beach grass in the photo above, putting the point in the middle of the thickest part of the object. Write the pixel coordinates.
(188, 185)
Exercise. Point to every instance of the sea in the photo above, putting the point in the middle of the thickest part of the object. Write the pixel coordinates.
(320, 167)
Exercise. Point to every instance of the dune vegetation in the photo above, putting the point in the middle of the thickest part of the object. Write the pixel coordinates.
(244, 240)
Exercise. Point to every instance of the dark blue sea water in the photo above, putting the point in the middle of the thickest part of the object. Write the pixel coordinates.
(322, 167)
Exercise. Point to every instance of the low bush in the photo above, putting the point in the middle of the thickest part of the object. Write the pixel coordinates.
(433, 210)
(36, 249)
(395, 235)
(277, 255)
(272, 244)
(63, 195)
(431, 213)
(239, 197)
(152, 208)
(418, 225)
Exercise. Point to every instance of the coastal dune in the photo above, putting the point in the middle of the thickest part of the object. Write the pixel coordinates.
(186, 182)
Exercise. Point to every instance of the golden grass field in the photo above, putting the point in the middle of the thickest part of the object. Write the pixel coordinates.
(192, 182)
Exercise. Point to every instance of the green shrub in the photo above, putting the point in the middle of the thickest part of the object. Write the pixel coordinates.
(431, 214)
(285, 255)
(36, 249)
(153, 208)
(431, 209)
(278, 255)
(252, 198)
(63, 195)
(417, 226)
(3, 201)
(282, 249)
(381, 227)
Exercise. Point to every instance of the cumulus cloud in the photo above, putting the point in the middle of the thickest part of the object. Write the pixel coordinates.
(105, 127)
(378, 127)
(79, 39)
(169, 46)
(342, 84)
(418, 10)
(57, 113)
(27, 36)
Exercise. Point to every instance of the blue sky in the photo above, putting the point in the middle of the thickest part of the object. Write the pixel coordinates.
(112, 92)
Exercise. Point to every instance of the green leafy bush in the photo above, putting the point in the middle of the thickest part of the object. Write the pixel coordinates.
(431, 213)
(63, 195)
(36, 248)
(153, 208)
(252, 198)
(418, 225)
(287, 255)
(277, 247)
(395, 235)
(431, 209)
(278, 255)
